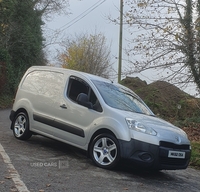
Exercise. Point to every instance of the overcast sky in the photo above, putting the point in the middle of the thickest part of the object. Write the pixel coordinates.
(89, 16)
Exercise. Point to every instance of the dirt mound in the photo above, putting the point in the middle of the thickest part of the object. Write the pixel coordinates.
(134, 83)
(163, 98)
(168, 91)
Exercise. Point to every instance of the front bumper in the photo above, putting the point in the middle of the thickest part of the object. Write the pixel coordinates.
(154, 157)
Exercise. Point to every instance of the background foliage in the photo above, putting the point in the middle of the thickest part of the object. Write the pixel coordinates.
(87, 53)
(21, 41)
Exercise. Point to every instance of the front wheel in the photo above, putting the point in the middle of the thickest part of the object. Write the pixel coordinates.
(104, 151)
(20, 126)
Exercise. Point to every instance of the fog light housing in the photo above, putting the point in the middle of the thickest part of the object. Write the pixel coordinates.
(145, 157)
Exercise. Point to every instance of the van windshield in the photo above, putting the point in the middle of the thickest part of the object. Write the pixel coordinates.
(122, 98)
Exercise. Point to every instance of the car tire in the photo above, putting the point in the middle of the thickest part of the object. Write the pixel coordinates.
(105, 151)
(20, 126)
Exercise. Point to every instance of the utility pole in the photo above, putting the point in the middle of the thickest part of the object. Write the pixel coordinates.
(120, 41)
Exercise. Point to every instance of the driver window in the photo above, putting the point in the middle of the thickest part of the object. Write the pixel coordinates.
(77, 86)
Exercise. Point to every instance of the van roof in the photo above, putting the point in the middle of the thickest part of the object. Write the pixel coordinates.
(73, 72)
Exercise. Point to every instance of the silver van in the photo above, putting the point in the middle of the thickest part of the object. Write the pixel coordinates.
(106, 119)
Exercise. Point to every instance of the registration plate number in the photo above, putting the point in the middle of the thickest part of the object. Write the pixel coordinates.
(176, 154)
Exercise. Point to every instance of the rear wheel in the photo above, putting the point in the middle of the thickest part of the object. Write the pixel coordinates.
(20, 126)
(104, 151)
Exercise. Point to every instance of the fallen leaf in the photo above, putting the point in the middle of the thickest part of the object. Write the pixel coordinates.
(8, 177)
(13, 190)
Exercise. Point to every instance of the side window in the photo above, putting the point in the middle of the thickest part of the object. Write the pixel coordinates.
(77, 86)
(44, 83)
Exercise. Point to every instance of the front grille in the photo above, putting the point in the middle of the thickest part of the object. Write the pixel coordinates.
(171, 161)
(166, 161)
(173, 146)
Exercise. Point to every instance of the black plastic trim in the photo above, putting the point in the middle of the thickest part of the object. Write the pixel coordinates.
(152, 156)
(12, 115)
(59, 125)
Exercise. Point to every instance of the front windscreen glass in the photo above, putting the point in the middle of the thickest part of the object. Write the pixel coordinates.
(122, 98)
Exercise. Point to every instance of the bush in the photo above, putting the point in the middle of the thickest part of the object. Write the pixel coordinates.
(6, 101)
(195, 158)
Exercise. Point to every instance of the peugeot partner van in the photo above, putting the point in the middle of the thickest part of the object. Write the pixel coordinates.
(106, 119)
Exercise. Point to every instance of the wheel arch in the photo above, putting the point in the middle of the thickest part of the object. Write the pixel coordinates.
(15, 114)
(98, 132)
(21, 110)
(21, 127)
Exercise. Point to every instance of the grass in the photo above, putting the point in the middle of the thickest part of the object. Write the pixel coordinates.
(195, 157)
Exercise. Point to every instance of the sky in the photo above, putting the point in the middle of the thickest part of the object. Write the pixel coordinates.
(88, 16)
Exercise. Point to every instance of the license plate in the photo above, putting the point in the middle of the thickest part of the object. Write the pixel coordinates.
(176, 154)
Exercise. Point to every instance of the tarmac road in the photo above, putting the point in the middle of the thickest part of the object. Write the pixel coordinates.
(44, 165)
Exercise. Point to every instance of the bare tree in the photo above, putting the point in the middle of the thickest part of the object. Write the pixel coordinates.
(88, 53)
(166, 35)
(49, 7)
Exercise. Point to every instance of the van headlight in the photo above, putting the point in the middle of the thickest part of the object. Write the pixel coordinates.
(137, 126)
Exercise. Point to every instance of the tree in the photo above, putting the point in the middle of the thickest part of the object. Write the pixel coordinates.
(87, 53)
(166, 36)
(48, 8)
(21, 37)
(7, 9)
(24, 41)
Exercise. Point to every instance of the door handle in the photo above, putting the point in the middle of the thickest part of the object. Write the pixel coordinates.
(63, 106)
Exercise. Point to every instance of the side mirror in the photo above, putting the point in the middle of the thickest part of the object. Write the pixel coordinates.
(83, 100)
